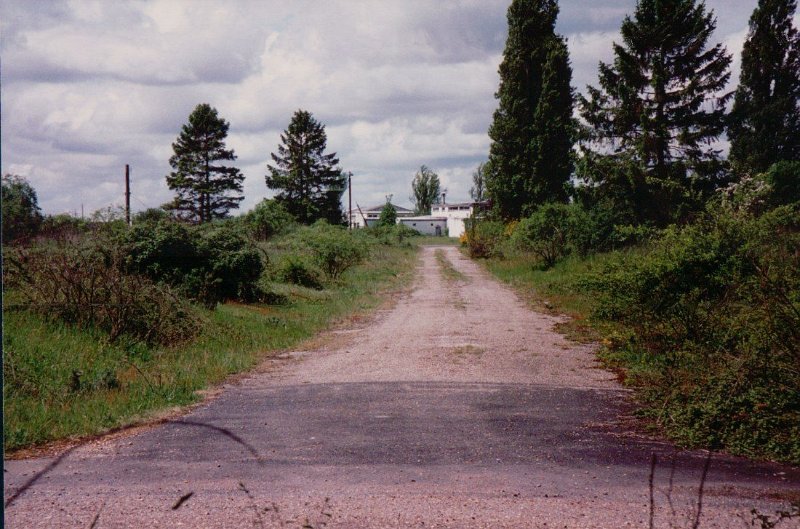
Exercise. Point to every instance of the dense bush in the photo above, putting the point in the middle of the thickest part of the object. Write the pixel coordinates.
(484, 238)
(208, 263)
(269, 218)
(546, 233)
(716, 306)
(81, 281)
(298, 269)
(21, 216)
(333, 248)
(392, 234)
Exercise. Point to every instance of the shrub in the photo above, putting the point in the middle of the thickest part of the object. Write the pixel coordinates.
(546, 233)
(716, 307)
(81, 281)
(269, 218)
(21, 216)
(333, 248)
(209, 263)
(484, 238)
(298, 270)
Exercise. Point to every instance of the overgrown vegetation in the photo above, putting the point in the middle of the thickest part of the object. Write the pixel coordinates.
(703, 319)
(106, 324)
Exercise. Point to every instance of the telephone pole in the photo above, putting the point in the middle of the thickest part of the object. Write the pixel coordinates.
(350, 200)
(128, 194)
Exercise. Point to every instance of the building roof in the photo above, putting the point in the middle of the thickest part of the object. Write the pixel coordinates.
(380, 208)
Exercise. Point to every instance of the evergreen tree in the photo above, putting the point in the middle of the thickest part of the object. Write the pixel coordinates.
(765, 121)
(206, 190)
(425, 189)
(656, 112)
(310, 182)
(388, 215)
(532, 131)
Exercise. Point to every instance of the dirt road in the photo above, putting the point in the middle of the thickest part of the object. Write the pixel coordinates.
(459, 407)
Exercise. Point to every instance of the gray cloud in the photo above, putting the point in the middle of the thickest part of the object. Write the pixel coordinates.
(89, 86)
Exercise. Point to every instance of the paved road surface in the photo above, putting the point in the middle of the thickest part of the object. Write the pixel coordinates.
(459, 407)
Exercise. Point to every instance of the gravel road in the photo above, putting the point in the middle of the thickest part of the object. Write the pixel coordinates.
(458, 407)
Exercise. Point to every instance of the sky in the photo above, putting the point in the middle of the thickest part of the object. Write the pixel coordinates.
(89, 86)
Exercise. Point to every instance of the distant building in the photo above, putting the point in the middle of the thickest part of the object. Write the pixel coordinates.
(362, 217)
(426, 224)
(456, 214)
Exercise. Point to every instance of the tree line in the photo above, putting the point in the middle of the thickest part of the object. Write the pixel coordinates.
(309, 181)
(646, 144)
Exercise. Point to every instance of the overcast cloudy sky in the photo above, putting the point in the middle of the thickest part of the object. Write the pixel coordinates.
(88, 86)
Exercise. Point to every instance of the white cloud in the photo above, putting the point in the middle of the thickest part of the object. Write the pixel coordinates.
(90, 85)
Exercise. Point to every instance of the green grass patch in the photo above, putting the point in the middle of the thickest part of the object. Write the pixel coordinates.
(63, 382)
(448, 270)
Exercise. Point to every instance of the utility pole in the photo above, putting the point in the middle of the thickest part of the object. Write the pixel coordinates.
(350, 200)
(128, 194)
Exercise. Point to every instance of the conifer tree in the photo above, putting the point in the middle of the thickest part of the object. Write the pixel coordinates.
(657, 111)
(206, 190)
(309, 182)
(532, 131)
(765, 121)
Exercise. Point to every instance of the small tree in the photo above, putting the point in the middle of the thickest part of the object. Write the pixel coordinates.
(425, 189)
(309, 182)
(478, 189)
(21, 214)
(206, 190)
(388, 215)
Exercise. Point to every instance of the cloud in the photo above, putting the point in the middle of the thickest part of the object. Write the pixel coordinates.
(90, 85)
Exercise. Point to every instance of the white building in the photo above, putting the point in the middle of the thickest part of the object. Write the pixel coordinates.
(361, 217)
(426, 224)
(456, 214)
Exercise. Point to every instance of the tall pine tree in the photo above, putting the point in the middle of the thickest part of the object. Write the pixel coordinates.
(765, 121)
(206, 190)
(309, 182)
(657, 111)
(533, 131)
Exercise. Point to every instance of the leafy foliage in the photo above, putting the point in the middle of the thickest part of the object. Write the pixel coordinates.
(425, 190)
(206, 190)
(334, 249)
(715, 306)
(388, 215)
(656, 112)
(269, 218)
(546, 233)
(765, 120)
(208, 264)
(21, 214)
(533, 130)
(479, 176)
(484, 238)
(309, 182)
(82, 281)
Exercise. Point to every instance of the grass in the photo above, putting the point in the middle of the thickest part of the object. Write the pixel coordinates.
(66, 383)
(448, 270)
(557, 289)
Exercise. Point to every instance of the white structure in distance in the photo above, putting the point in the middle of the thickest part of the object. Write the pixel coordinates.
(445, 219)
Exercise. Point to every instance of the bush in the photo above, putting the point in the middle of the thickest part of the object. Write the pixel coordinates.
(484, 238)
(546, 233)
(298, 270)
(333, 248)
(21, 216)
(81, 282)
(392, 234)
(269, 218)
(716, 307)
(209, 263)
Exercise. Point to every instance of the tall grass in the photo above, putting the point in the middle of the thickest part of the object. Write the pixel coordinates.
(65, 382)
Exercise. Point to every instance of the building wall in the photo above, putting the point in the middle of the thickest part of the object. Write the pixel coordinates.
(426, 225)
